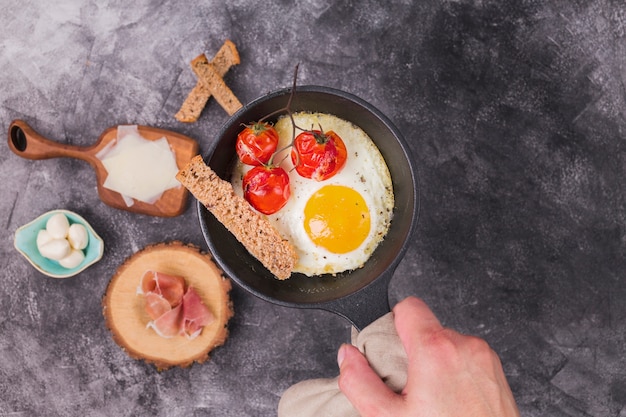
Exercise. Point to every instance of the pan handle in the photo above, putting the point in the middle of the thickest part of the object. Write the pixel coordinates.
(366, 305)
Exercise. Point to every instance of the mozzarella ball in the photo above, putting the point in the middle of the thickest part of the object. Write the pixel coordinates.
(55, 249)
(73, 259)
(43, 237)
(58, 226)
(77, 236)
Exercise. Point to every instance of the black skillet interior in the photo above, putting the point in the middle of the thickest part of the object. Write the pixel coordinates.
(359, 295)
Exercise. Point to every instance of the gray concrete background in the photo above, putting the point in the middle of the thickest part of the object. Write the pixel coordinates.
(514, 110)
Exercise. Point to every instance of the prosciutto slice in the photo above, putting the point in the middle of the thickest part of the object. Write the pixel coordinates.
(168, 324)
(195, 314)
(170, 287)
(173, 308)
(156, 305)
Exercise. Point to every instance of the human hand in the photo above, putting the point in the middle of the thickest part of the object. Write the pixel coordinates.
(449, 374)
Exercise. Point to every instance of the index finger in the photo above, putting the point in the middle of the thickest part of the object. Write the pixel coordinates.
(413, 318)
(415, 323)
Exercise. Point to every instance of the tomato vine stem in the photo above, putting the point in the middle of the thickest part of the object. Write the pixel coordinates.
(287, 110)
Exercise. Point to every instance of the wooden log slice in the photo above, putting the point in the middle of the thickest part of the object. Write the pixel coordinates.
(125, 315)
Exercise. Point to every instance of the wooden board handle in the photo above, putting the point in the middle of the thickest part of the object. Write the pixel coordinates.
(27, 143)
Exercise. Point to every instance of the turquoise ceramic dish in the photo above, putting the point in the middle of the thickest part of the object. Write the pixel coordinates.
(26, 243)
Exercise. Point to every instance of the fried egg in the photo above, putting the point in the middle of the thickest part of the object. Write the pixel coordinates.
(334, 224)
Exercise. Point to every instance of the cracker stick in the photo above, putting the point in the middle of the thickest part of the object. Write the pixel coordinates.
(193, 105)
(249, 227)
(207, 73)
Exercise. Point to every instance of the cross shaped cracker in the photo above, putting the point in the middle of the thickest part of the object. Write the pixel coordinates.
(209, 83)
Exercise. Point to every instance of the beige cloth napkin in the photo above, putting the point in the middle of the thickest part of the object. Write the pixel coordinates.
(381, 345)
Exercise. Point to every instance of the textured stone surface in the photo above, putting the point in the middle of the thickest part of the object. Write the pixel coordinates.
(515, 112)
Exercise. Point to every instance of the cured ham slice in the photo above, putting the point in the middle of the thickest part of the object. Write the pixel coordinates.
(169, 324)
(173, 308)
(170, 287)
(195, 314)
(156, 305)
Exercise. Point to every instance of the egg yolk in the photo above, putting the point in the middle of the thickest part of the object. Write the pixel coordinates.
(336, 218)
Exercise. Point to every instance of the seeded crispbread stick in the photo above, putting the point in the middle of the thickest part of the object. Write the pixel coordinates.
(252, 229)
(196, 100)
(209, 75)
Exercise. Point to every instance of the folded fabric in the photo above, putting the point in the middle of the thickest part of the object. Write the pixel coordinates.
(381, 345)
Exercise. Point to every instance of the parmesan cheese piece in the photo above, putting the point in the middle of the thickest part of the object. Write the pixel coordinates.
(138, 168)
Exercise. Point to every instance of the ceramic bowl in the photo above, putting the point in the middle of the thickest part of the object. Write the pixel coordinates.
(26, 243)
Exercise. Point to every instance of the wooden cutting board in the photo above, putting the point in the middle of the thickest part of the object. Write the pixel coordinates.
(124, 309)
(27, 143)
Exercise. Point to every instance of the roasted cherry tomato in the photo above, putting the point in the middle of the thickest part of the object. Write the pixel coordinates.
(256, 143)
(266, 188)
(318, 155)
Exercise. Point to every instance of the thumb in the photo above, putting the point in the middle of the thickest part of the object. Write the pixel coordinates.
(362, 386)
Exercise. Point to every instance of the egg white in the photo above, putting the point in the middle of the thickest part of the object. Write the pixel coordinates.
(365, 171)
